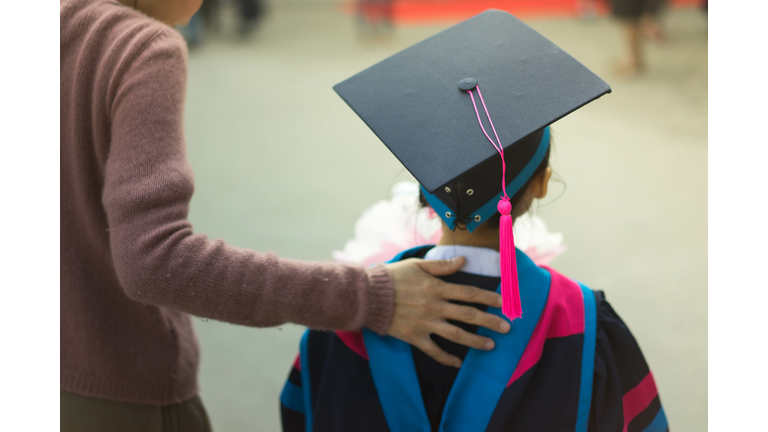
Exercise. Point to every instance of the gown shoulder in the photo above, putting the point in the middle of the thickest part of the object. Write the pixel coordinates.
(624, 395)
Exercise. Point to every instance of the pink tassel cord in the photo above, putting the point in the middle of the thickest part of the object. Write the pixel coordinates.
(510, 289)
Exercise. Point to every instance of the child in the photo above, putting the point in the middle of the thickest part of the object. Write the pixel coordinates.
(569, 362)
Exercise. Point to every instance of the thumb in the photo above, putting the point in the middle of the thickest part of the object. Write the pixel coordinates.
(442, 267)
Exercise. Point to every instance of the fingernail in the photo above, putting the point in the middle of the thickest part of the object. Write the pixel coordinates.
(504, 326)
(498, 301)
(455, 259)
(457, 364)
(489, 345)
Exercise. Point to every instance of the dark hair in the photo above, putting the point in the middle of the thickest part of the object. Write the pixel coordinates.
(493, 221)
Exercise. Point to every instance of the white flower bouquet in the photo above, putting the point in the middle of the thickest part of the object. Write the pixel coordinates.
(400, 223)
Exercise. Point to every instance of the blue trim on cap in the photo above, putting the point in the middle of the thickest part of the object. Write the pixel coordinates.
(439, 207)
(305, 380)
(487, 210)
(587, 359)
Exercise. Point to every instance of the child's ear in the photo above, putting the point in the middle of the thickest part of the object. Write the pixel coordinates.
(539, 186)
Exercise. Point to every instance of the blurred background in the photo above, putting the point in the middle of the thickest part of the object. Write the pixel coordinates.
(282, 164)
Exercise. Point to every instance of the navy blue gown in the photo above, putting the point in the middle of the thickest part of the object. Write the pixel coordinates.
(569, 364)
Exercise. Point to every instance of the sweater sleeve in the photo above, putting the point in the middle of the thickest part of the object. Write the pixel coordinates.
(148, 184)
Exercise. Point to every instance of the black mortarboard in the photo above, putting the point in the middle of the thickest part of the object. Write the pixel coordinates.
(425, 102)
(413, 102)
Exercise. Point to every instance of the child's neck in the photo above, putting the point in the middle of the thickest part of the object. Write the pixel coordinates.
(483, 236)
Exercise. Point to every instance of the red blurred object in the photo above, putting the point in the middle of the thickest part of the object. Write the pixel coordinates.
(375, 12)
(431, 11)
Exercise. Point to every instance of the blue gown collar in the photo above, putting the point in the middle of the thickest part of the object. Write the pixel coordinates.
(483, 376)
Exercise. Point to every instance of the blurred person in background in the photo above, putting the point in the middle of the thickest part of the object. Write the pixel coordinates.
(131, 269)
(374, 17)
(639, 18)
(250, 13)
(204, 20)
(650, 22)
(586, 9)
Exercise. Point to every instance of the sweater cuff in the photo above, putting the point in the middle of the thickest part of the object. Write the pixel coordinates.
(382, 299)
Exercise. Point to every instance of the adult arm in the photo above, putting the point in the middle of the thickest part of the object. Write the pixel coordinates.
(148, 184)
(147, 188)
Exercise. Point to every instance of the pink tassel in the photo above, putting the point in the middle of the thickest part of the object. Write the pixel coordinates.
(510, 290)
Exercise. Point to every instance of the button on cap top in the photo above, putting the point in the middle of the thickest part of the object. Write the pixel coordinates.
(468, 84)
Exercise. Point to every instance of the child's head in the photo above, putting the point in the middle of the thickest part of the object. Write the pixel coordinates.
(426, 106)
(534, 188)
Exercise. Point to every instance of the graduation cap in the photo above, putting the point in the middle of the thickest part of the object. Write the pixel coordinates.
(471, 151)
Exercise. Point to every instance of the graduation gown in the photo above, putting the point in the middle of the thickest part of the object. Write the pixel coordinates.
(569, 364)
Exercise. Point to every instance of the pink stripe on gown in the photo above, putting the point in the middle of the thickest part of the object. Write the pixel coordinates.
(563, 316)
(638, 399)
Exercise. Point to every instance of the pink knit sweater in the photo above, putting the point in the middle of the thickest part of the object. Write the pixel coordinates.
(131, 267)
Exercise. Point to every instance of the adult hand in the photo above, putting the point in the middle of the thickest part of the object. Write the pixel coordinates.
(422, 308)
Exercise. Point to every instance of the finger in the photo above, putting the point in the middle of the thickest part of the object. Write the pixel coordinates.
(471, 315)
(462, 337)
(470, 294)
(442, 267)
(431, 349)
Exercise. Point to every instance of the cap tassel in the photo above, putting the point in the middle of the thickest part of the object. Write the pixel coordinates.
(510, 289)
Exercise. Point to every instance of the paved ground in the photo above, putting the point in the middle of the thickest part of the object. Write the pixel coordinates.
(282, 164)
